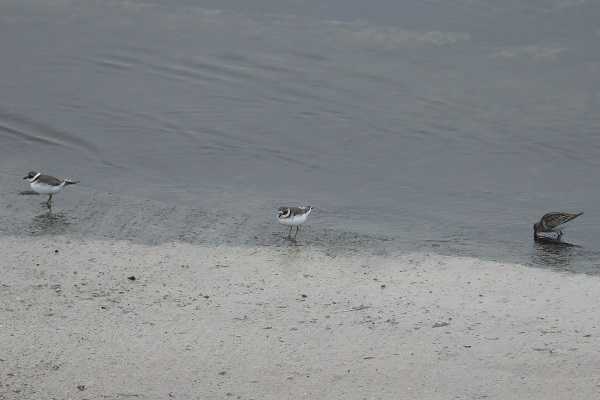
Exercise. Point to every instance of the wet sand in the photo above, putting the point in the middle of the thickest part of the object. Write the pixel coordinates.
(207, 322)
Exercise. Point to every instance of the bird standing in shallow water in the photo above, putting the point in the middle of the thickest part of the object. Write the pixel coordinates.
(553, 222)
(46, 184)
(293, 216)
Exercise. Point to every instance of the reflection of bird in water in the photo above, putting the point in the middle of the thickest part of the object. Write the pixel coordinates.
(553, 243)
(551, 252)
(553, 222)
(49, 223)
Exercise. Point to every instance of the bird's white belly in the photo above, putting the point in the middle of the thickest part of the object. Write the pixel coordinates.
(42, 188)
(294, 221)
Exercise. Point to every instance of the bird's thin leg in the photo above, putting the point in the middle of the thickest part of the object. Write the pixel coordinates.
(49, 202)
(289, 236)
(297, 228)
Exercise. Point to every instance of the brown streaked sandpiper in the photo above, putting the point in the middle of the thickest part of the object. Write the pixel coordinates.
(553, 222)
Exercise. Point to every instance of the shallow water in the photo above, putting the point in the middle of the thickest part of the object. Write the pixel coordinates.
(452, 127)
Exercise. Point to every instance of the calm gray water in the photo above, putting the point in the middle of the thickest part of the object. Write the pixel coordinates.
(454, 125)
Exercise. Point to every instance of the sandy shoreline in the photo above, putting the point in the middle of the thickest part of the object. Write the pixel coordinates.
(208, 322)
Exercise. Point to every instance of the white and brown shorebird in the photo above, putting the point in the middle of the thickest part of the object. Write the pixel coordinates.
(553, 222)
(46, 184)
(293, 216)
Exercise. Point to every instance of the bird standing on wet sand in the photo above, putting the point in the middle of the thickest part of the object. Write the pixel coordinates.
(293, 216)
(46, 184)
(553, 222)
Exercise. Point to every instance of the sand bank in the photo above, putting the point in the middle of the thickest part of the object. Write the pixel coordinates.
(209, 322)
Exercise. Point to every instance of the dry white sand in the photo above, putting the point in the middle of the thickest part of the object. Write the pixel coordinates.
(287, 322)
